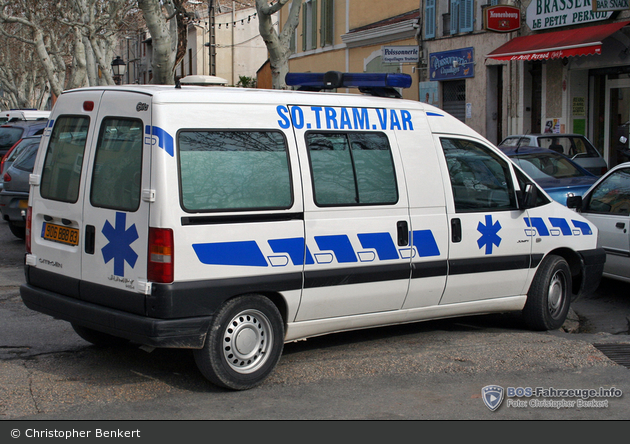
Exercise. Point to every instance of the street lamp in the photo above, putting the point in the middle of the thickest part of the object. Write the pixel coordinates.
(118, 68)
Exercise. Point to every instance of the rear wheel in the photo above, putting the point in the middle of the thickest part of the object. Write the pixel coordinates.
(244, 343)
(98, 338)
(18, 231)
(549, 296)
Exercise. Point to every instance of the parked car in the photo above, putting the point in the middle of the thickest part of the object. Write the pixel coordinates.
(575, 146)
(558, 175)
(607, 205)
(14, 195)
(23, 114)
(14, 152)
(10, 133)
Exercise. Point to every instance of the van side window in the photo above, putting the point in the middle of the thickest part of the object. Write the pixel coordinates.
(479, 177)
(116, 178)
(352, 169)
(234, 170)
(64, 157)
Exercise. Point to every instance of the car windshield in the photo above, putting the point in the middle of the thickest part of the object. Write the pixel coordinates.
(9, 135)
(544, 166)
(21, 147)
(26, 160)
(570, 146)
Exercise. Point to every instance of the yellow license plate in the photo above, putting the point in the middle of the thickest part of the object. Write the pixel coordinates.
(57, 233)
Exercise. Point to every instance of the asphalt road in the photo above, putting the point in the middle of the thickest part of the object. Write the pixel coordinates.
(424, 371)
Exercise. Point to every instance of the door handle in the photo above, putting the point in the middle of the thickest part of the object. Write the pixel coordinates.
(621, 225)
(456, 230)
(403, 233)
(90, 235)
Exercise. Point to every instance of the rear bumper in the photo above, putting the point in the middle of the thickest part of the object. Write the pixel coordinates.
(166, 333)
(593, 266)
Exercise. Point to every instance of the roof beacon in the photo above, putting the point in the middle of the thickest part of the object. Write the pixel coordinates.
(377, 84)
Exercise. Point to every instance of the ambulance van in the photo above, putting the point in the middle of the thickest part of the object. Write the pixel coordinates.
(230, 221)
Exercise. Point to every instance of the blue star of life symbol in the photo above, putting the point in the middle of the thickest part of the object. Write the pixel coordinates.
(119, 246)
(489, 234)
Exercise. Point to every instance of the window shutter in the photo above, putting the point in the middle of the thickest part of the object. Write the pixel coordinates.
(304, 27)
(454, 17)
(466, 16)
(429, 20)
(313, 24)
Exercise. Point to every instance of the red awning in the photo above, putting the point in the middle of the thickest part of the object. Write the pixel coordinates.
(558, 44)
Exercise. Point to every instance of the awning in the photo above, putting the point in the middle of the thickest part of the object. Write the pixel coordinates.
(558, 44)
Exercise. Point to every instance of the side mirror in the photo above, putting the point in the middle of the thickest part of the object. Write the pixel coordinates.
(528, 197)
(574, 202)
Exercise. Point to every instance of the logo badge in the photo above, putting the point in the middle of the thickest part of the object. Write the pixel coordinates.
(492, 396)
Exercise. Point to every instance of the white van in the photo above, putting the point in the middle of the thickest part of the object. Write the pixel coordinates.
(230, 221)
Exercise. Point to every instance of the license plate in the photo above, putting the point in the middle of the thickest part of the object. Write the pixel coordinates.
(58, 233)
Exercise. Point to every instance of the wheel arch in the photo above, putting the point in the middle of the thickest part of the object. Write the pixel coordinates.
(576, 266)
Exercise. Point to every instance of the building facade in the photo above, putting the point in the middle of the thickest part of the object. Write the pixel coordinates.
(503, 67)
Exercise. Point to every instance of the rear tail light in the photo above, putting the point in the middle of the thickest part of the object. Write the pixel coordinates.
(161, 261)
(29, 217)
(6, 177)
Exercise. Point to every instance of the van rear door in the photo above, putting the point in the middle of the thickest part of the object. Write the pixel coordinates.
(116, 204)
(57, 226)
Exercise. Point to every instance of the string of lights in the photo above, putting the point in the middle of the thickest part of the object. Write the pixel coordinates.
(227, 24)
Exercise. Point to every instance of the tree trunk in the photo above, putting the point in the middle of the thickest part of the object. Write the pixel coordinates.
(164, 39)
(277, 45)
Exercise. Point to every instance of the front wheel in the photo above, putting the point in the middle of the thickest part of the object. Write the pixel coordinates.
(244, 343)
(549, 296)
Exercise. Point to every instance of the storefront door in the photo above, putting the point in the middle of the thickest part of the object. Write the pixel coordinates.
(617, 121)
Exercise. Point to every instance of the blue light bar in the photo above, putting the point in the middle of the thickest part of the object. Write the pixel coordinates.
(335, 79)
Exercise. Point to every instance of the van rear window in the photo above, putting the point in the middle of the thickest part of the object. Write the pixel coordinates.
(233, 170)
(64, 157)
(117, 172)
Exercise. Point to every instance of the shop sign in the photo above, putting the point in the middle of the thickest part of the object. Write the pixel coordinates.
(611, 5)
(451, 65)
(502, 18)
(400, 54)
(545, 14)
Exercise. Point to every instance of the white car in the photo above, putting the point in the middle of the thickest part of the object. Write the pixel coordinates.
(575, 146)
(607, 205)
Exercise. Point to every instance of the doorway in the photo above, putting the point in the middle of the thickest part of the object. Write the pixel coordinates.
(617, 121)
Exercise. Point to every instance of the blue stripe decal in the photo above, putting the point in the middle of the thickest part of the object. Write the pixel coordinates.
(245, 253)
(435, 114)
(294, 248)
(539, 224)
(338, 244)
(165, 140)
(557, 222)
(382, 243)
(562, 224)
(583, 226)
(425, 243)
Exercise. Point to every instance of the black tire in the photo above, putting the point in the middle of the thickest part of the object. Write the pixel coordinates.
(549, 296)
(244, 343)
(98, 338)
(18, 231)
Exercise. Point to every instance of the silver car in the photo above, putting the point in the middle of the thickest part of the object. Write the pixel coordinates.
(575, 146)
(607, 205)
(14, 194)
